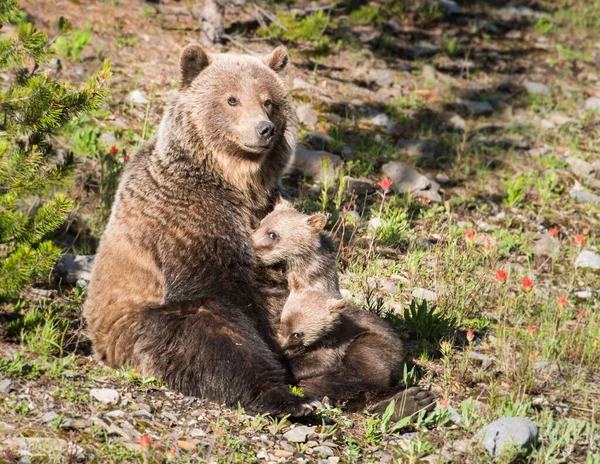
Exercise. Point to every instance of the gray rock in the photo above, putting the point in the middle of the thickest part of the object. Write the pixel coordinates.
(108, 138)
(405, 179)
(360, 186)
(116, 414)
(442, 178)
(519, 431)
(546, 245)
(318, 140)
(137, 97)
(323, 451)
(588, 259)
(74, 267)
(299, 434)
(580, 167)
(374, 223)
(454, 415)
(197, 433)
(75, 424)
(382, 77)
(429, 73)
(6, 386)
(390, 287)
(477, 108)
(381, 120)
(310, 163)
(424, 243)
(593, 104)
(348, 151)
(583, 294)
(353, 216)
(424, 294)
(306, 116)
(49, 417)
(450, 7)
(585, 197)
(486, 361)
(457, 122)
(536, 88)
(423, 150)
(105, 395)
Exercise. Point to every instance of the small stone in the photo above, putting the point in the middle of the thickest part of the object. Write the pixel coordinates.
(360, 186)
(442, 178)
(108, 138)
(169, 416)
(454, 415)
(348, 151)
(6, 386)
(197, 433)
(451, 7)
(306, 116)
(593, 104)
(456, 122)
(536, 88)
(283, 453)
(323, 451)
(185, 445)
(374, 223)
(588, 259)
(311, 164)
(477, 108)
(105, 395)
(521, 432)
(429, 73)
(318, 140)
(49, 417)
(382, 77)
(74, 267)
(585, 197)
(424, 294)
(390, 288)
(424, 243)
(423, 150)
(405, 179)
(546, 245)
(299, 434)
(560, 119)
(75, 424)
(486, 361)
(381, 120)
(580, 167)
(137, 97)
(141, 413)
(116, 414)
(333, 460)
(583, 294)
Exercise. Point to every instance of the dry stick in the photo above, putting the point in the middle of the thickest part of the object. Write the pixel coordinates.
(239, 44)
(270, 16)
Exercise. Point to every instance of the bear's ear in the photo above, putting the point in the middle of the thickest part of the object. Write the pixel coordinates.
(293, 283)
(317, 222)
(193, 60)
(278, 59)
(336, 306)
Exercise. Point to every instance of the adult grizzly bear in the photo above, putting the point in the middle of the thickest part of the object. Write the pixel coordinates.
(175, 290)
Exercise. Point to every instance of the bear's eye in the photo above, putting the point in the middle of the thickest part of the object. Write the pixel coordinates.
(296, 335)
(268, 104)
(232, 101)
(272, 235)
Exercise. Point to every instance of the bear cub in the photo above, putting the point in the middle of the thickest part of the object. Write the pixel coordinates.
(334, 349)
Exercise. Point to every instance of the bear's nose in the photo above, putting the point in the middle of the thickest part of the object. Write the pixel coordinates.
(265, 130)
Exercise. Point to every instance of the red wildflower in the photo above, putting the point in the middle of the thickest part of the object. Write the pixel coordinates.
(126, 158)
(385, 184)
(145, 441)
(447, 204)
(469, 234)
(501, 275)
(114, 151)
(553, 231)
(561, 300)
(444, 402)
(487, 243)
(527, 283)
(533, 357)
(579, 239)
(533, 330)
(470, 335)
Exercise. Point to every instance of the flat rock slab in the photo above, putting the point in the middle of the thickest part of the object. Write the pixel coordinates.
(519, 431)
(421, 149)
(536, 88)
(312, 163)
(75, 267)
(588, 259)
(405, 179)
(585, 197)
(307, 116)
(299, 434)
(105, 395)
(593, 104)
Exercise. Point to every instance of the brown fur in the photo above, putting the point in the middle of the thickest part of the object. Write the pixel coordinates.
(175, 289)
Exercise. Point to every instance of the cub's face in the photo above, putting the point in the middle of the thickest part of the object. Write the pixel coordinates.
(308, 316)
(286, 234)
(238, 102)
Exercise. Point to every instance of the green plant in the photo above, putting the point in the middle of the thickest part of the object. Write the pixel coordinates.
(35, 106)
(451, 47)
(71, 45)
(309, 30)
(427, 322)
(543, 26)
(516, 189)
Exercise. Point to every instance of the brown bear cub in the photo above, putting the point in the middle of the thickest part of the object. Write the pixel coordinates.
(334, 349)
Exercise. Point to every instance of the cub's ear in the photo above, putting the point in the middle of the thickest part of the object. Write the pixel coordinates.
(193, 60)
(336, 306)
(294, 283)
(317, 222)
(278, 59)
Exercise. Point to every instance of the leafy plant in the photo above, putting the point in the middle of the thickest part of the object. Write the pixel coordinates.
(516, 189)
(35, 106)
(70, 46)
(427, 322)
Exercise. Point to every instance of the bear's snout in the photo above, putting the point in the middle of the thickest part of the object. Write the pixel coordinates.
(265, 131)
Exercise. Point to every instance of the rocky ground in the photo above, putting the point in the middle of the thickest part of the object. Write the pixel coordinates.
(485, 116)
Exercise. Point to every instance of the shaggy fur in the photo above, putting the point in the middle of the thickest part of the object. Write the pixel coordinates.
(175, 289)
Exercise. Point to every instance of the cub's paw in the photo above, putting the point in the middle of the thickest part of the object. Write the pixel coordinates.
(284, 402)
(407, 403)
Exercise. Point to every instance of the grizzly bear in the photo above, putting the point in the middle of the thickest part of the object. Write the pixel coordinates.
(176, 291)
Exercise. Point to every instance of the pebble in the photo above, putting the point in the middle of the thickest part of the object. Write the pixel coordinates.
(585, 197)
(390, 288)
(360, 186)
(405, 179)
(137, 97)
(593, 104)
(583, 294)
(105, 395)
(6, 386)
(108, 138)
(450, 7)
(478, 108)
(75, 424)
(546, 245)
(424, 294)
(536, 88)
(310, 163)
(185, 445)
(299, 434)
(580, 167)
(381, 120)
(588, 259)
(522, 432)
(442, 178)
(116, 414)
(323, 451)
(74, 267)
(457, 122)
(454, 415)
(49, 417)
(486, 361)
(422, 150)
(306, 116)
